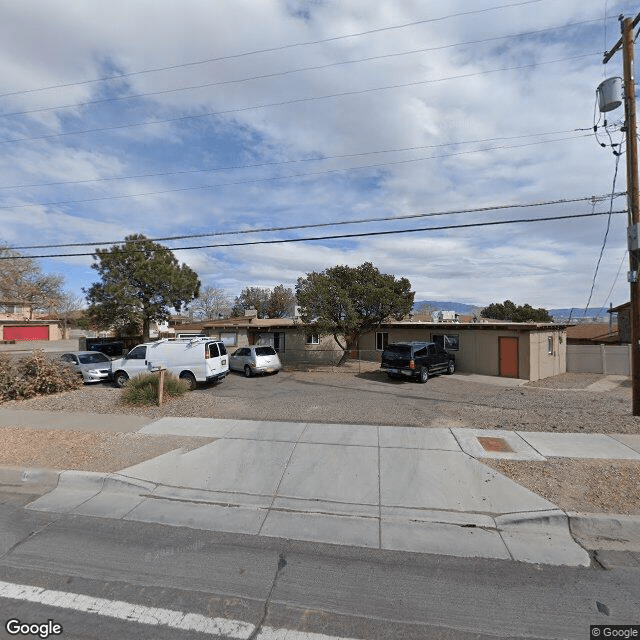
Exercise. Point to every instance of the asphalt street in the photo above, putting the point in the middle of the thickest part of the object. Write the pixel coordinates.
(129, 572)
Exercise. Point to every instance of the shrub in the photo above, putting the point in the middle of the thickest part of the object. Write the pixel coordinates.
(143, 389)
(34, 375)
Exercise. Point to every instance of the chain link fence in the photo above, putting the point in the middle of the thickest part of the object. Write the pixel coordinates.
(307, 359)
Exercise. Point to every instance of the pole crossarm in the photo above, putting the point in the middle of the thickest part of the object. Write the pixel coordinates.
(609, 54)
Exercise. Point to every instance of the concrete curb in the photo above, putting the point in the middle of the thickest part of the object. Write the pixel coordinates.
(605, 531)
(20, 476)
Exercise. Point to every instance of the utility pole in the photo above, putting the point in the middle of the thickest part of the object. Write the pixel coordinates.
(633, 202)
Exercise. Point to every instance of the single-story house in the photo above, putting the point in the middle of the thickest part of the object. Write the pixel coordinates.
(518, 350)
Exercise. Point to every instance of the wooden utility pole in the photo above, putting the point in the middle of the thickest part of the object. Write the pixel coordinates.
(626, 42)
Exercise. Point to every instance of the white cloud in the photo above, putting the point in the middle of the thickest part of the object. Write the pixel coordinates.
(545, 264)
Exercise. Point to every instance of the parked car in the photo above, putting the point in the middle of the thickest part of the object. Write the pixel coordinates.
(195, 360)
(416, 360)
(255, 359)
(93, 366)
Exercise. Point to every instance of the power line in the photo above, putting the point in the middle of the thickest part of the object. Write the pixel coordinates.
(336, 237)
(282, 103)
(272, 49)
(606, 233)
(287, 177)
(521, 205)
(293, 161)
(292, 71)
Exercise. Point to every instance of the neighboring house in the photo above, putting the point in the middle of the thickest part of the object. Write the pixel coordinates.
(16, 323)
(14, 310)
(624, 322)
(600, 333)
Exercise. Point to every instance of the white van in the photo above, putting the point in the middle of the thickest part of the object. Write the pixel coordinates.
(197, 359)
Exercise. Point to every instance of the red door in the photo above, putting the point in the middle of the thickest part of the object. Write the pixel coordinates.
(26, 333)
(508, 355)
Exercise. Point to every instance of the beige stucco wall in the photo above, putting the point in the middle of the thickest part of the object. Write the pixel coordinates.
(479, 347)
(544, 364)
(55, 332)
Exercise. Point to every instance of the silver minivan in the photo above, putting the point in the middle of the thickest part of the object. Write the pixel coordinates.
(255, 359)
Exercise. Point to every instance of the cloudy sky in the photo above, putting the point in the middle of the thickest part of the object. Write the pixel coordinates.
(226, 122)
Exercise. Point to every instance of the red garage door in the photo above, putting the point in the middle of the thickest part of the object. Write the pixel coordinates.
(26, 333)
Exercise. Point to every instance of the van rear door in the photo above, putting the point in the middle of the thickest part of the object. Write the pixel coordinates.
(217, 360)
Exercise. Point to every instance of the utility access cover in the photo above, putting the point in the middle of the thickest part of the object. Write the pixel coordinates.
(494, 444)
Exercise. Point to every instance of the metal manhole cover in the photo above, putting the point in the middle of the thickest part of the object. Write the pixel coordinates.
(494, 444)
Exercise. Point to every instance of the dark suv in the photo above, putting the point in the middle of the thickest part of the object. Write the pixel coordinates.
(416, 360)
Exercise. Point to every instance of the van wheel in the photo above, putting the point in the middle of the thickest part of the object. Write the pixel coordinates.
(190, 379)
(451, 367)
(247, 371)
(424, 374)
(120, 378)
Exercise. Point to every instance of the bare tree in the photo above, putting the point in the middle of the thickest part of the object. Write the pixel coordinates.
(211, 303)
(68, 304)
(21, 279)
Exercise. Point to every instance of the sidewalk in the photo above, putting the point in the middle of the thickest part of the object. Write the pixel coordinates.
(394, 488)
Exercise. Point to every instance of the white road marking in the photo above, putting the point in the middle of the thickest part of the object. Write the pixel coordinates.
(127, 611)
(152, 615)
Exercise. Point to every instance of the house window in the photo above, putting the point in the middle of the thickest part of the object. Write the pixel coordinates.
(382, 340)
(229, 338)
(448, 341)
(550, 345)
(10, 308)
(313, 339)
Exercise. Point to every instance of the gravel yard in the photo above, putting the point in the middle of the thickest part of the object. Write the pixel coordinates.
(363, 395)
(104, 452)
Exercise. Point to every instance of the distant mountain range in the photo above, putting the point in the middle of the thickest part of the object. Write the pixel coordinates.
(557, 314)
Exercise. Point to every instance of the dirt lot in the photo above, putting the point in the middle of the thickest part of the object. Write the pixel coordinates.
(363, 395)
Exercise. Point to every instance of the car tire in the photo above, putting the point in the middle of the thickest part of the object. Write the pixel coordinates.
(190, 379)
(424, 374)
(247, 371)
(392, 376)
(451, 367)
(120, 378)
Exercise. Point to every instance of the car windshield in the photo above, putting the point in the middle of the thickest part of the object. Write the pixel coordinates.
(92, 358)
(265, 351)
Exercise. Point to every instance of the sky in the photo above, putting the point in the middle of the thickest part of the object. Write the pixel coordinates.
(238, 122)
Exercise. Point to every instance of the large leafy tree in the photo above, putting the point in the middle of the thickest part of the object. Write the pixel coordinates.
(252, 298)
(515, 313)
(141, 281)
(282, 302)
(22, 280)
(346, 302)
(276, 303)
